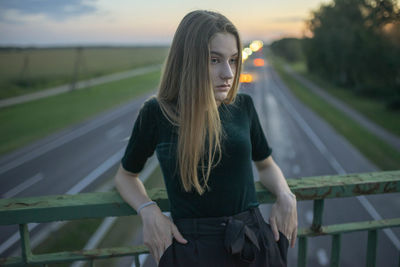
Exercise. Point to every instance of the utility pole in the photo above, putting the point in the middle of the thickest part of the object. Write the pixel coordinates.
(24, 74)
(79, 62)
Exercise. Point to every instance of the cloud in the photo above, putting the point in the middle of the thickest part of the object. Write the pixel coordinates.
(19, 11)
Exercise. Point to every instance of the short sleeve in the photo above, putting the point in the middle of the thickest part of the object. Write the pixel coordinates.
(260, 148)
(143, 139)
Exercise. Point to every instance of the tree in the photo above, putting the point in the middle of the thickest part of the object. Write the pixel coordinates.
(352, 46)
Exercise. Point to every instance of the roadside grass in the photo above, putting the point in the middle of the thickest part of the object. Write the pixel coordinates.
(34, 69)
(24, 123)
(75, 234)
(374, 148)
(373, 109)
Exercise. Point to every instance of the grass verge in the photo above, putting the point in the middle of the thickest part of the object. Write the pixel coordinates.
(24, 123)
(374, 148)
(371, 108)
(75, 234)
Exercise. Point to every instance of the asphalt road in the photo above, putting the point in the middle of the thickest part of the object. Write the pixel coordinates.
(78, 158)
(305, 145)
(75, 160)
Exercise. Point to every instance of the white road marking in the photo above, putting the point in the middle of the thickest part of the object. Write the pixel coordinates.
(66, 138)
(113, 132)
(96, 238)
(96, 173)
(99, 235)
(322, 257)
(125, 139)
(15, 238)
(334, 163)
(74, 190)
(56, 143)
(21, 187)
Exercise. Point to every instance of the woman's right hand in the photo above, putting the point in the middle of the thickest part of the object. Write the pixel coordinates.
(158, 231)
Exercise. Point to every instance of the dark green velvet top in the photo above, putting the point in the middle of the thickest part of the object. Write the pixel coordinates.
(231, 182)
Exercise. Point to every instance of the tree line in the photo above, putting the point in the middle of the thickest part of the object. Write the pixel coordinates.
(354, 44)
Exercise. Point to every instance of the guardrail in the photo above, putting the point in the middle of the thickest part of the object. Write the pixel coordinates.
(22, 211)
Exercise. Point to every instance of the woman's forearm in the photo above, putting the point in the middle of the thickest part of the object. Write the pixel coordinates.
(131, 188)
(272, 178)
(283, 216)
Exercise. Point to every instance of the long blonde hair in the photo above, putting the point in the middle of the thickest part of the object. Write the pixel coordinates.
(186, 95)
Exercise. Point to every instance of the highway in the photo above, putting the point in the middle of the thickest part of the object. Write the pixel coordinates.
(305, 145)
(79, 158)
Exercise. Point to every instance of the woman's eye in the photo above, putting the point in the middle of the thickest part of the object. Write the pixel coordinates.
(214, 60)
(233, 60)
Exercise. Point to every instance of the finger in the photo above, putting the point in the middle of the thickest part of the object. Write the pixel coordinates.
(294, 236)
(274, 229)
(153, 252)
(177, 235)
(160, 251)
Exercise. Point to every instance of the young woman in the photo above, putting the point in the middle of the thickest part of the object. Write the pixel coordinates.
(205, 135)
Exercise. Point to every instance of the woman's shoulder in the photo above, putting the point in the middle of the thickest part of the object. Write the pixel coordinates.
(243, 100)
(151, 105)
(151, 102)
(152, 108)
(243, 96)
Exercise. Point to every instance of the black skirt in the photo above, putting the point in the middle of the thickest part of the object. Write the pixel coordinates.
(244, 239)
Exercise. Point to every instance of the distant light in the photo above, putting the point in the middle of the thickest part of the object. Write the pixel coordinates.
(246, 78)
(256, 45)
(244, 55)
(258, 62)
(248, 51)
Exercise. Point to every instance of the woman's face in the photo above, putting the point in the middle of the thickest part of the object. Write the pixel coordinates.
(223, 64)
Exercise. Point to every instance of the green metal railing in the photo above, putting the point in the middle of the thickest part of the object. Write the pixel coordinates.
(22, 211)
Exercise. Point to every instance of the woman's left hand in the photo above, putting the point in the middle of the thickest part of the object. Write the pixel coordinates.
(283, 217)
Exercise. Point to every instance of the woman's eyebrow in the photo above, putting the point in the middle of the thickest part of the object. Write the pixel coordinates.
(222, 55)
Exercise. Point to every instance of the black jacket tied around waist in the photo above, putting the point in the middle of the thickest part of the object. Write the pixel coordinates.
(239, 238)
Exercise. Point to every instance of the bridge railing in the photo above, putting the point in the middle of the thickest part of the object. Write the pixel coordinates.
(21, 211)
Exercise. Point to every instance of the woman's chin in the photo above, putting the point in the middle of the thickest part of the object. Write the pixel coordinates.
(220, 96)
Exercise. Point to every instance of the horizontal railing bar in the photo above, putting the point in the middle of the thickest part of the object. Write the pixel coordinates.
(338, 186)
(11, 261)
(110, 204)
(141, 249)
(69, 256)
(350, 227)
(71, 207)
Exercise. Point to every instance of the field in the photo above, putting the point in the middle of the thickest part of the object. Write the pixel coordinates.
(28, 70)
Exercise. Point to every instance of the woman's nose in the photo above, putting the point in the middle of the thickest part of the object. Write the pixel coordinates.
(226, 72)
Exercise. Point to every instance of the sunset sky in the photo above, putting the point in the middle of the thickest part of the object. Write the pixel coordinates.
(126, 22)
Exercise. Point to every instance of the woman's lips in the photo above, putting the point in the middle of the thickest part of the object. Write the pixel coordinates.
(223, 87)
